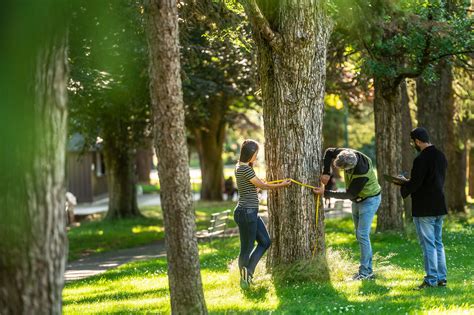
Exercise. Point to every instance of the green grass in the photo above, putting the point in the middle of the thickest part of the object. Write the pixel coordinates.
(99, 235)
(143, 287)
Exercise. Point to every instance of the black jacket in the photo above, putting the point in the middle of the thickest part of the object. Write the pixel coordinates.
(426, 183)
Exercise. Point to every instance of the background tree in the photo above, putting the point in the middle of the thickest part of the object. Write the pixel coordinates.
(438, 112)
(184, 276)
(109, 92)
(291, 39)
(217, 81)
(401, 40)
(33, 242)
(463, 87)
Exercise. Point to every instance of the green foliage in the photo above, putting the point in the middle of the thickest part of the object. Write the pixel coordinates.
(403, 38)
(109, 75)
(217, 61)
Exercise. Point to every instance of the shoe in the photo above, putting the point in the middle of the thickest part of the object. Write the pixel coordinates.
(359, 276)
(424, 285)
(250, 279)
(244, 278)
(442, 283)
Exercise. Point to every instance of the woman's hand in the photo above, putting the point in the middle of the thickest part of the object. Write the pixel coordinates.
(286, 183)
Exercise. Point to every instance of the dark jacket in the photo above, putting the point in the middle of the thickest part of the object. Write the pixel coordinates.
(426, 183)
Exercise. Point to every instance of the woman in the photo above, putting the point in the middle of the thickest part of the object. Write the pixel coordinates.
(251, 226)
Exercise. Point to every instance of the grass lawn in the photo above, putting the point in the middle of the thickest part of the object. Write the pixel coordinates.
(98, 236)
(142, 286)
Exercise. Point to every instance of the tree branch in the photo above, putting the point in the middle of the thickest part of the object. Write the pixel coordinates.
(260, 23)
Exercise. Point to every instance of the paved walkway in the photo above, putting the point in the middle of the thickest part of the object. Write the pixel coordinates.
(99, 263)
(101, 205)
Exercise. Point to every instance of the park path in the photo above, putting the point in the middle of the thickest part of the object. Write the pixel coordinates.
(100, 263)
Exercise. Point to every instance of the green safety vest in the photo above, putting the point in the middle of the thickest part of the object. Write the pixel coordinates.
(371, 188)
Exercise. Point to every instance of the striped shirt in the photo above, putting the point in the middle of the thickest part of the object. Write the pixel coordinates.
(248, 197)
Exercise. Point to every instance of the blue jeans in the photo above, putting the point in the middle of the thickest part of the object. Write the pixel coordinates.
(363, 213)
(429, 230)
(251, 229)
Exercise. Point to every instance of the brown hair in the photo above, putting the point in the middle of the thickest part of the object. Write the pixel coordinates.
(248, 149)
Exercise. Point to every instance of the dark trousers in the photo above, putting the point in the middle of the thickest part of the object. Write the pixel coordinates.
(251, 229)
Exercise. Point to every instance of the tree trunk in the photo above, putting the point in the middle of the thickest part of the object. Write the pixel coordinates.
(33, 242)
(292, 69)
(407, 150)
(184, 276)
(436, 112)
(471, 171)
(144, 160)
(121, 180)
(388, 135)
(209, 145)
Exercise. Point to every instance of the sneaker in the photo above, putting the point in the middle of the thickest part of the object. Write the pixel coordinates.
(250, 279)
(424, 285)
(244, 278)
(442, 283)
(359, 276)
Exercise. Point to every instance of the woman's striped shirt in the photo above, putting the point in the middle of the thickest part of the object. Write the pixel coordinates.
(248, 197)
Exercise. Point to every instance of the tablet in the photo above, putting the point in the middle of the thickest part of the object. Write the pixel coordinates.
(395, 179)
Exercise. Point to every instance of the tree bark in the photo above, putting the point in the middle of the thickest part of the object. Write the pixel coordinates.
(436, 112)
(209, 145)
(33, 242)
(184, 276)
(292, 69)
(407, 150)
(121, 180)
(388, 136)
(471, 171)
(144, 160)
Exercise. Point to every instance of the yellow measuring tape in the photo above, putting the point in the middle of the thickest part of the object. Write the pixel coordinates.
(315, 197)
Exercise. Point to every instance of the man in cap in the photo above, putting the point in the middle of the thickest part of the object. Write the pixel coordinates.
(363, 189)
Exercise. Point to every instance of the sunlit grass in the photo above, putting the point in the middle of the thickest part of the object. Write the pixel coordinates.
(142, 287)
(100, 235)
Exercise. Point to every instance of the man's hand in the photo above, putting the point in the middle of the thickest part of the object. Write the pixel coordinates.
(325, 179)
(319, 190)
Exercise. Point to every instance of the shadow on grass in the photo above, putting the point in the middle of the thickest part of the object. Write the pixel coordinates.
(116, 296)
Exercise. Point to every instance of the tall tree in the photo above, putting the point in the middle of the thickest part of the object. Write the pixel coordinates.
(184, 276)
(33, 243)
(401, 40)
(437, 112)
(291, 39)
(109, 92)
(217, 83)
(407, 150)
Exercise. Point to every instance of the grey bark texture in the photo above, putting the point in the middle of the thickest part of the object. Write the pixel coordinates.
(437, 113)
(184, 276)
(291, 39)
(33, 242)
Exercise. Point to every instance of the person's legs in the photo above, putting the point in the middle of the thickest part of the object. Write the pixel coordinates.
(367, 210)
(247, 234)
(263, 243)
(355, 217)
(425, 228)
(438, 229)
